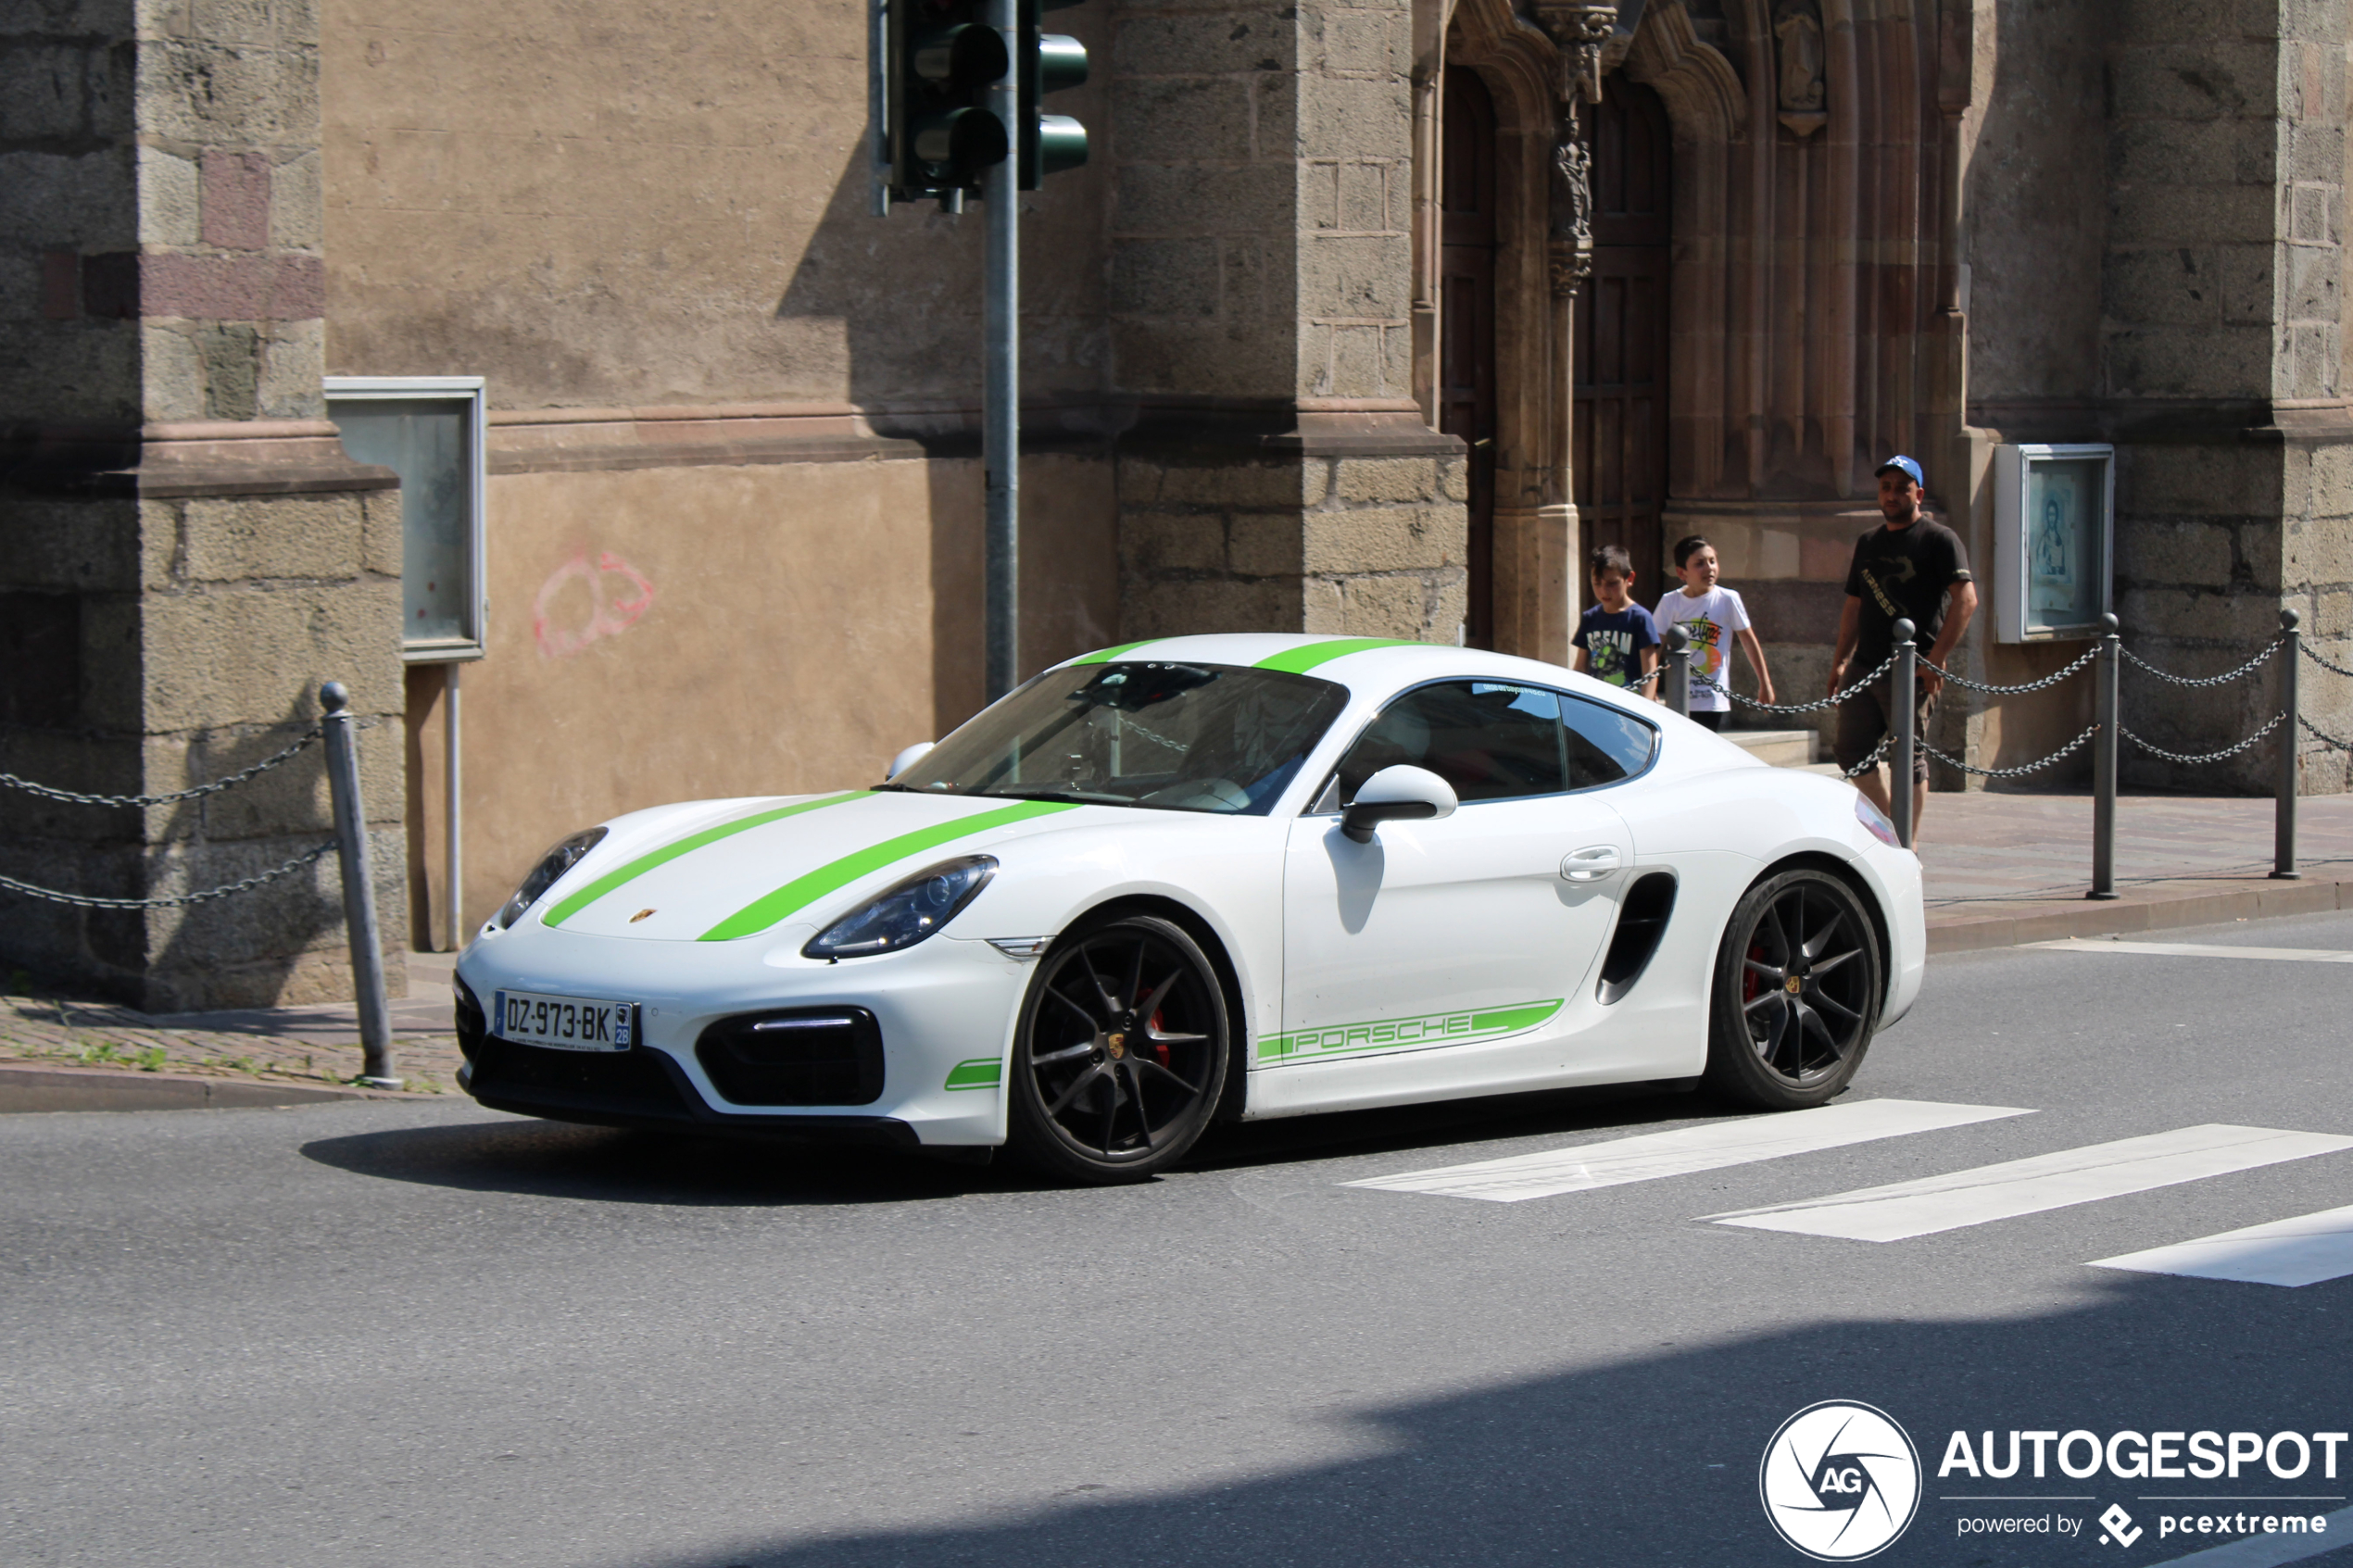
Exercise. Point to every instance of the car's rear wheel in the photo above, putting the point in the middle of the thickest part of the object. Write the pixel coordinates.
(1796, 995)
(1122, 1052)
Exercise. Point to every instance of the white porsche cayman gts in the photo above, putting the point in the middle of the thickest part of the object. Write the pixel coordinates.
(1208, 877)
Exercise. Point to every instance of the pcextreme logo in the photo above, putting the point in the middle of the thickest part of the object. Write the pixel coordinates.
(1840, 1481)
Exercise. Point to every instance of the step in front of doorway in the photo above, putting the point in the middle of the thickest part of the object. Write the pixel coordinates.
(1782, 748)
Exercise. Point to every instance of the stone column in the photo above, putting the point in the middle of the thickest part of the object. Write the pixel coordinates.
(2223, 348)
(185, 551)
(1276, 474)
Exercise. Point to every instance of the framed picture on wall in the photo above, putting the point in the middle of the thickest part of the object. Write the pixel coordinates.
(2053, 535)
(429, 429)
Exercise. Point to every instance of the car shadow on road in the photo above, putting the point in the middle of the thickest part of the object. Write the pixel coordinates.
(1654, 1460)
(608, 1165)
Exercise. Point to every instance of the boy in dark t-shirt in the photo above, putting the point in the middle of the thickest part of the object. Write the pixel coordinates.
(1616, 639)
(1914, 569)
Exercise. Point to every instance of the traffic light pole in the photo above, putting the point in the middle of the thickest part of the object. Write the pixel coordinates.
(1000, 393)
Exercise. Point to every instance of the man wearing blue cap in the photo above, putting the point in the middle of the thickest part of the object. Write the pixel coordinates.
(1911, 569)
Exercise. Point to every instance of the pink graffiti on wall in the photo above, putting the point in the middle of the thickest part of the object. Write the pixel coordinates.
(613, 607)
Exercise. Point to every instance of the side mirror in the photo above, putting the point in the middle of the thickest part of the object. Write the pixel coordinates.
(908, 759)
(1399, 794)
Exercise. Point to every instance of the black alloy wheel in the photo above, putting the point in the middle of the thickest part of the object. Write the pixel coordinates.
(1122, 1052)
(1797, 993)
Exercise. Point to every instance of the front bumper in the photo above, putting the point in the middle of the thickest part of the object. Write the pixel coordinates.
(947, 1008)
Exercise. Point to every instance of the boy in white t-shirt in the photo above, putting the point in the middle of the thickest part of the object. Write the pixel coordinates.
(1711, 615)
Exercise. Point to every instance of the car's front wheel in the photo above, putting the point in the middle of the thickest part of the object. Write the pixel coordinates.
(1796, 995)
(1122, 1052)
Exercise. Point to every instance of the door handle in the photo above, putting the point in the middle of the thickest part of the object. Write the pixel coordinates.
(1590, 864)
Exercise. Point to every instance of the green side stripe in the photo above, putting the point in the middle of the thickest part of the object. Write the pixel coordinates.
(980, 1073)
(686, 846)
(1297, 661)
(1428, 1029)
(803, 891)
(1104, 656)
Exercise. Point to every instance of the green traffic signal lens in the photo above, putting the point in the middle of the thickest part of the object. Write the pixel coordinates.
(966, 140)
(1062, 62)
(968, 56)
(1061, 144)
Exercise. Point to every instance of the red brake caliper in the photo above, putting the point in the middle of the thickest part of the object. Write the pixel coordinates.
(1159, 1049)
(1749, 984)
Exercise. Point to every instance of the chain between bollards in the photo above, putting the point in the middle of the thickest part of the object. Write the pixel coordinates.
(1904, 689)
(359, 889)
(1678, 685)
(2284, 807)
(2106, 682)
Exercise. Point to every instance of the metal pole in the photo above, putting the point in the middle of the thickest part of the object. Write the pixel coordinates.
(1000, 397)
(453, 786)
(2105, 713)
(359, 889)
(879, 102)
(1677, 675)
(1903, 685)
(2283, 812)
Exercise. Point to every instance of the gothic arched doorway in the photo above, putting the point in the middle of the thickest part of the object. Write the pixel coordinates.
(1466, 320)
(1619, 396)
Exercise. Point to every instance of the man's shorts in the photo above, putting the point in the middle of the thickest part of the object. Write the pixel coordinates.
(1862, 724)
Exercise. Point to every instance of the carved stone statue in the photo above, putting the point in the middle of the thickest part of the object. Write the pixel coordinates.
(1797, 25)
(1570, 259)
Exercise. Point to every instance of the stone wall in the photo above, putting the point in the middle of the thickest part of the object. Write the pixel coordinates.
(186, 552)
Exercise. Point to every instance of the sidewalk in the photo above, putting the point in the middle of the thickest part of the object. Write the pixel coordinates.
(2002, 870)
(2007, 869)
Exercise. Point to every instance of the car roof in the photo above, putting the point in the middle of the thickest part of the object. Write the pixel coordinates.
(1365, 665)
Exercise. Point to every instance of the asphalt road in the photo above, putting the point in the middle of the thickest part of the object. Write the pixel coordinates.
(429, 1335)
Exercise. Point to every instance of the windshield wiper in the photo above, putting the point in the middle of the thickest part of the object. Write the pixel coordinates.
(1082, 796)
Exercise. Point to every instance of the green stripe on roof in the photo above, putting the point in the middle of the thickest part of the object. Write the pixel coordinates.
(1298, 660)
(1104, 656)
(686, 845)
(803, 891)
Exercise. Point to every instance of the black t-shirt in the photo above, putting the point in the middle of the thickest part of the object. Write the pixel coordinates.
(1903, 573)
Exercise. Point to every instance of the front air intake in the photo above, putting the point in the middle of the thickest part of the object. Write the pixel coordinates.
(1640, 925)
(797, 1056)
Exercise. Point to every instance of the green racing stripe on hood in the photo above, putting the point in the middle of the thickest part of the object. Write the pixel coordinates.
(803, 891)
(686, 846)
(1298, 660)
(1104, 656)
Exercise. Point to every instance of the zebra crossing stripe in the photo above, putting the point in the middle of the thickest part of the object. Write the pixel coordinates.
(2194, 950)
(2304, 1251)
(2027, 1186)
(1710, 1147)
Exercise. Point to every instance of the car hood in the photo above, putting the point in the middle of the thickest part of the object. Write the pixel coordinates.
(722, 871)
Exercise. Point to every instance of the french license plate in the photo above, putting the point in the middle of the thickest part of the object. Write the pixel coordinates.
(565, 1023)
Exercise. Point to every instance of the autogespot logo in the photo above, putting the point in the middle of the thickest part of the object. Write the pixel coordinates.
(1840, 1481)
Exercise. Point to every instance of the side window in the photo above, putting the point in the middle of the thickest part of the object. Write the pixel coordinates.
(1490, 740)
(1603, 744)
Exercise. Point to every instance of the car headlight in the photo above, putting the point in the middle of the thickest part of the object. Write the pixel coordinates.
(551, 866)
(905, 914)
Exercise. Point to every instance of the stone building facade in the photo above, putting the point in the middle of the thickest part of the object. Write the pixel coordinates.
(1364, 317)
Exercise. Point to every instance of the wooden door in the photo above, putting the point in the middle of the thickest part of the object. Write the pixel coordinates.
(1467, 319)
(1619, 398)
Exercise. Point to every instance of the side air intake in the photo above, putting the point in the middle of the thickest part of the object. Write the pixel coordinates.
(1649, 903)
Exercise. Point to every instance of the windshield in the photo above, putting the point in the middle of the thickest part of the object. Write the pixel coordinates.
(1181, 737)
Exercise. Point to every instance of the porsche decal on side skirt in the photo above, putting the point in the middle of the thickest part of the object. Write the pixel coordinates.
(1430, 1029)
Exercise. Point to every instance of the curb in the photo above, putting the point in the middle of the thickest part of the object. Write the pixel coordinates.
(2157, 908)
(25, 1089)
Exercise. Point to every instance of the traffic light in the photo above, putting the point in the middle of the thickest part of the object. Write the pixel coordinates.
(943, 58)
(1050, 62)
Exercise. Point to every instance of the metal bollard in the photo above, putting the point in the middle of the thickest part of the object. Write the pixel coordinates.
(2104, 758)
(1676, 675)
(2283, 809)
(358, 888)
(1902, 694)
